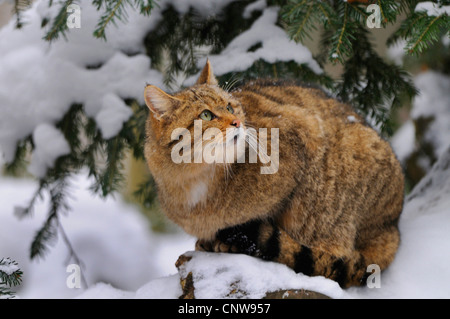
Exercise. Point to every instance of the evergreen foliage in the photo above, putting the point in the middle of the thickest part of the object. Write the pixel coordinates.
(371, 84)
(420, 30)
(19, 7)
(10, 276)
(103, 158)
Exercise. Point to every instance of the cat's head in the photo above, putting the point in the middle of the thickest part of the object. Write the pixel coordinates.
(204, 109)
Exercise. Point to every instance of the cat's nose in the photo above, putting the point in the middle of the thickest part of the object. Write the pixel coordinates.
(236, 123)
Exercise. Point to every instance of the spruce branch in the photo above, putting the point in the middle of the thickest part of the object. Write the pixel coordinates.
(431, 33)
(49, 230)
(371, 84)
(18, 8)
(359, 14)
(44, 236)
(22, 212)
(117, 10)
(114, 10)
(145, 6)
(326, 11)
(72, 254)
(146, 192)
(303, 25)
(340, 41)
(420, 30)
(110, 178)
(134, 129)
(10, 275)
(299, 18)
(17, 165)
(59, 25)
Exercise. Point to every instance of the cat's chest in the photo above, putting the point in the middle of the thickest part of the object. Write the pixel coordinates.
(197, 193)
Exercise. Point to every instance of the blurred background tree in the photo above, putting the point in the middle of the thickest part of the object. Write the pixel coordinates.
(336, 31)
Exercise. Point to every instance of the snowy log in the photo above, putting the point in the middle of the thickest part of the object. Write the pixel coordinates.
(239, 276)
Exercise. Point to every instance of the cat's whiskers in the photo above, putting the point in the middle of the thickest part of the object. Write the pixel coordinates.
(221, 141)
(231, 83)
(258, 147)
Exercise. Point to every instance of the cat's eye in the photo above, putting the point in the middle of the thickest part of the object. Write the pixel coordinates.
(207, 115)
(230, 109)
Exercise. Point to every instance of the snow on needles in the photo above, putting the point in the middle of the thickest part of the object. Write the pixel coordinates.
(7, 266)
(112, 114)
(40, 81)
(49, 145)
(275, 46)
(432, 9)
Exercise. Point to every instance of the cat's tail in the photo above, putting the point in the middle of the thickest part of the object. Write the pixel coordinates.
(268, 241)
(350, 270)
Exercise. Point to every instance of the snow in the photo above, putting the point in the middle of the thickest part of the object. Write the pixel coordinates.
(49, 145)
(403, 141)
(434, 101)
(252, 7)
(351, 119)
(396, 51)
(112, 115)
(161, 288)
(112, 239)
(7, 266)
(446, 39)
(215, 275)
(432, 9)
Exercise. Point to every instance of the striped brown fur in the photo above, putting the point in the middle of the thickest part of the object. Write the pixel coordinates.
(331, 209)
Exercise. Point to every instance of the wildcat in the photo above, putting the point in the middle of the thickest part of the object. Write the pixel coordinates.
(331, 208)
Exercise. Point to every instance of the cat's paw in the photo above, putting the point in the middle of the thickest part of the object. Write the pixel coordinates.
(216, 246)
(222, 247)
(235, 241)
(240, 239)
(204, 245)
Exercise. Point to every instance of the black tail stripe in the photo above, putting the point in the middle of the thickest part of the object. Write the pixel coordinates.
(272, 246)
(303, 261)
(339, 271)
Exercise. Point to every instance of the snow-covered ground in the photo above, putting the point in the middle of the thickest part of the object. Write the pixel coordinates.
(112, 239)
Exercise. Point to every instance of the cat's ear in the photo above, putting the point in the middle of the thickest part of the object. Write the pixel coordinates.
(158, 101)
(207, 75)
